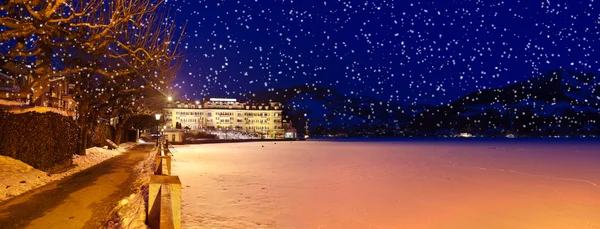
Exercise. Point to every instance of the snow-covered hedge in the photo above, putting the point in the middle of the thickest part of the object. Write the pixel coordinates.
(99, 134)
(42, 140)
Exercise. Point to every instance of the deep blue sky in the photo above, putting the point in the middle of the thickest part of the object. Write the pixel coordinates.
(405, 51)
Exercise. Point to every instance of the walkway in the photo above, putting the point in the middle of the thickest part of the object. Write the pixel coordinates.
(82, 200)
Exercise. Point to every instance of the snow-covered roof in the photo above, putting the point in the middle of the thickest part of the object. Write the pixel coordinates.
(19, 107)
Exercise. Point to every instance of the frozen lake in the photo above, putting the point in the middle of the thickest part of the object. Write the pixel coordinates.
(421, 184)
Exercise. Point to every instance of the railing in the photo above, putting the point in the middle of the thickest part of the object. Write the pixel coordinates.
(164, 199)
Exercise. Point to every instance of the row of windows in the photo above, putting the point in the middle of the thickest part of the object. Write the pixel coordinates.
(192, 120)
(258, 121)
(188, 106)
(188, 113)
(196, 127)
(223, 118)
(226, 113)
(247, 128)
(260, 114)
(258, 128)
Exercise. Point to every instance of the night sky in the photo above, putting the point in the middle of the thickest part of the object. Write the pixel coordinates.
(411, 52)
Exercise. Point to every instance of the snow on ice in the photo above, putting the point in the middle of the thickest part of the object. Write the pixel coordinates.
(426, 184)
(19, 107)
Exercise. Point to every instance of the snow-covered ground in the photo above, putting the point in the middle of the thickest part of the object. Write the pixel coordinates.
(234, 135)
(17, 177)
(19, 107)
(390, 185)
(131, 211)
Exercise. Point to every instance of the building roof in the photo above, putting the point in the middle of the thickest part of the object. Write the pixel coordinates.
(222, 103)
(8, 84)
(174, 130)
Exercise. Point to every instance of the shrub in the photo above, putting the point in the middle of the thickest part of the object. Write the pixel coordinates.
(42, 140)
(100, 133)
(205, 135)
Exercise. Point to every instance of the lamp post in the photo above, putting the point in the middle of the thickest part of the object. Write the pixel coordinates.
(157, 128)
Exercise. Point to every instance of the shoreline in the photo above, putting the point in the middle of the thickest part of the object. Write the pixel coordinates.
(218, 141)
(400, 139)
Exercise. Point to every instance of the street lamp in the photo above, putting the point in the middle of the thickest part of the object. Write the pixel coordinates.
(170, 98)
(157, 128)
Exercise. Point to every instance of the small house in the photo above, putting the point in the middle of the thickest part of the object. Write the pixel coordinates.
(174, 135)
(289, 130)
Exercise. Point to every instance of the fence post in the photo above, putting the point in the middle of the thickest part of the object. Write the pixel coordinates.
(160, 186)
(163, 165)
(164, 194)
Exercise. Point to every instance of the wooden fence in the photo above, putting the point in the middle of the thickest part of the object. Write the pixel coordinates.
(164, 199)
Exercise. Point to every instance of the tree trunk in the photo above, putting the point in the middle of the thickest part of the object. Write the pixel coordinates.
(119, 130)
(83, 136)
(119, 134)
(82, 122)
(137, 135)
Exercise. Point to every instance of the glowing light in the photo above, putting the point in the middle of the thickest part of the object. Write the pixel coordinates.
(170, 98)
(222, 100)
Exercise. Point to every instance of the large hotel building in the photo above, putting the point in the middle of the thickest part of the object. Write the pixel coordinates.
(264, 119)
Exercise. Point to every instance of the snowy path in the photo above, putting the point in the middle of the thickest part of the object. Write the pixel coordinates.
(79, 201)
(417, 185)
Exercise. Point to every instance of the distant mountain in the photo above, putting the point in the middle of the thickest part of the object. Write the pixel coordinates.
(329, 112)
(559, 102)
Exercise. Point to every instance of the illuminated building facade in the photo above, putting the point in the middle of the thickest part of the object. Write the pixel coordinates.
(264, 119)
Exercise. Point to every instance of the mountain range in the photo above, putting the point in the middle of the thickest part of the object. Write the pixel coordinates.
(327, 111)
(557, 103)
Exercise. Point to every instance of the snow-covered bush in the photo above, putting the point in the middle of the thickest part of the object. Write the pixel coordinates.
(100, 133)
(42, 140)
(204, 135)
(233, 135)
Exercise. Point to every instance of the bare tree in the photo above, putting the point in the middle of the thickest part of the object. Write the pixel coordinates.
(145, 102)
(110, 50)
